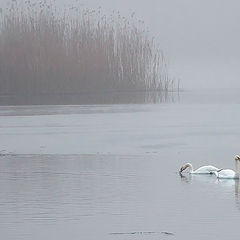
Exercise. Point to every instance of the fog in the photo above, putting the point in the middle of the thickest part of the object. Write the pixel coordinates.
(84, 159)
(199, 38)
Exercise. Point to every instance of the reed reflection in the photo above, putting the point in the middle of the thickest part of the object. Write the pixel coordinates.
(131, 97)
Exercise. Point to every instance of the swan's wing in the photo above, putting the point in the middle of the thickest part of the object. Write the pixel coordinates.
(226, 173)
(206, 169)
(212, 168)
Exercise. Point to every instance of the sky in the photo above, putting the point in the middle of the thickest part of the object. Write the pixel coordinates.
(200, 39)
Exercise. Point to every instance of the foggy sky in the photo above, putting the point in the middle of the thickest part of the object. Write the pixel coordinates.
(201, 39)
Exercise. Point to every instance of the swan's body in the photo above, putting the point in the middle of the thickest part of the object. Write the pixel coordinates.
(202, 170)
(229, 173)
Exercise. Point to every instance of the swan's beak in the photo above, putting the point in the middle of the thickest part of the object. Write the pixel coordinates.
(181, 169)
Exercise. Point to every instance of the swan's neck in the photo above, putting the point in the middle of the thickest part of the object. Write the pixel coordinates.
(190, 167)
(236, 167)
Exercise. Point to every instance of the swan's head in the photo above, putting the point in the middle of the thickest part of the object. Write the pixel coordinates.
(184, 167)
(237, 158)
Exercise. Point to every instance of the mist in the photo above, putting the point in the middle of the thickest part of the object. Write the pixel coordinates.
(199, 38)
(117, 117)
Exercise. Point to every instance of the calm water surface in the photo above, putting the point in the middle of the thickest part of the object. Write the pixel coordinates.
(110, 171)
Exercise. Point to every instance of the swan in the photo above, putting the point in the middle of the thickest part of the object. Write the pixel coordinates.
(229, 173)
(202, 170)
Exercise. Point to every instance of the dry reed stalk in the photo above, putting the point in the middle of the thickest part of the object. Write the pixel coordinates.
(78, 50)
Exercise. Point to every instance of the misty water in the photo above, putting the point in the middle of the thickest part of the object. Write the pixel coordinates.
(111, 171)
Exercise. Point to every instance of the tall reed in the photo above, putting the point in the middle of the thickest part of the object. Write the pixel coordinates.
(47, 51)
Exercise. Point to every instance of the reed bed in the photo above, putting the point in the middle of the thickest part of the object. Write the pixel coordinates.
(44, 50)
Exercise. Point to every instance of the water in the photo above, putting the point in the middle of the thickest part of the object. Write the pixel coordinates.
(111, 171)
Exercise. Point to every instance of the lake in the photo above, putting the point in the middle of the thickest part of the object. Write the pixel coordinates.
(111, 171)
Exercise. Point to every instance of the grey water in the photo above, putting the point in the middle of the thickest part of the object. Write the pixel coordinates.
(111, 171)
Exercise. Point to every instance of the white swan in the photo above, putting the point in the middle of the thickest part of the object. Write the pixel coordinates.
(202, 170)
(229, 173)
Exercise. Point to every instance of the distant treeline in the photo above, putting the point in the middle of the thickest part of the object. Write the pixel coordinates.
(48, 51)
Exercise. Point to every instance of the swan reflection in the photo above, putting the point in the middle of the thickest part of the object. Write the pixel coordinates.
(230, 186)
(189, 178)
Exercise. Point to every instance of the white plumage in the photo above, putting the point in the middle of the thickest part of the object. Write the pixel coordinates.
(229, 173)
(202, 170)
